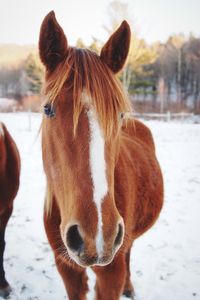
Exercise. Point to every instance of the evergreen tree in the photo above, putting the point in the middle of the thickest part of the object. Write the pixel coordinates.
(34, 73)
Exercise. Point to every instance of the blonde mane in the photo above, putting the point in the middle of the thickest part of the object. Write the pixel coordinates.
(81, 71)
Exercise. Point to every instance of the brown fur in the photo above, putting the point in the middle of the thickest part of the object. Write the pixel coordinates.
(82, 81)
(9, 184)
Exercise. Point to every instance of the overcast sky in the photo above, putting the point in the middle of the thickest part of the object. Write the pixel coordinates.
(152, 19)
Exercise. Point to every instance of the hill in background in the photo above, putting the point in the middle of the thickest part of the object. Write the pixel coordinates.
(13, 54)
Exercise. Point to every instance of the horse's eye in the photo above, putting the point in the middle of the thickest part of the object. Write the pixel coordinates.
(49, 110)
(121, 115)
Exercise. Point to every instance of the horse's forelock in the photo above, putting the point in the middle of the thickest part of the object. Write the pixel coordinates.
(83, 71)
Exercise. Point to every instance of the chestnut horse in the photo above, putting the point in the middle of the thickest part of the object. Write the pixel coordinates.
(104, 184)
(9, 184)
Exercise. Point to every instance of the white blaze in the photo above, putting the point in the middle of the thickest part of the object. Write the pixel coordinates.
(98, 173)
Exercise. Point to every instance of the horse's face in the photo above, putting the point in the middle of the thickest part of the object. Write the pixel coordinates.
(81, 170)
(79, 162)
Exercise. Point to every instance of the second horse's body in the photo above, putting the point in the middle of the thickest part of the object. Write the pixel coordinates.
(9, 184)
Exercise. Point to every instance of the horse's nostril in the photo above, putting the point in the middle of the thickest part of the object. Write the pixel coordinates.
(119, 236)
(74, 239)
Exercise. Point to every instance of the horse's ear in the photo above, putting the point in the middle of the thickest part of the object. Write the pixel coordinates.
(52, 42)
(115, 51)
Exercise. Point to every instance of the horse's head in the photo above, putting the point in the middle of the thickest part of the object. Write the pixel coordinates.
(80, 138)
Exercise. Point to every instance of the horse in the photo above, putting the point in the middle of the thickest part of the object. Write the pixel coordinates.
(104, 183)
(9, 184)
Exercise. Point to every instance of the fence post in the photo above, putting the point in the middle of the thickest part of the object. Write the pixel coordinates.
(182, 116)
(168, 116)
(29, 120)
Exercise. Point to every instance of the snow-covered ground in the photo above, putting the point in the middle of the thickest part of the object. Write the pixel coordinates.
(165, 262)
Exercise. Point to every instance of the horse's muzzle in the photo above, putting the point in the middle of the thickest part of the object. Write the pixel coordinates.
(84, 255)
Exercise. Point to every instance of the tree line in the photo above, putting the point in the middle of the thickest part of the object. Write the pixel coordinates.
(165, 76)
(158, 77)
(21, 71)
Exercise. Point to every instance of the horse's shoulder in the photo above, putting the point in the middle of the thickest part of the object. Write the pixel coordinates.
(9, 167)
(10, 157)
(139, 132)
(9, 141)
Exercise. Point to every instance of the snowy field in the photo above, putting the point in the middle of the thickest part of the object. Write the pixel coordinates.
(165, 262)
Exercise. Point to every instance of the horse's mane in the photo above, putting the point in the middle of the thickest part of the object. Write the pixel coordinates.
(83, 71)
